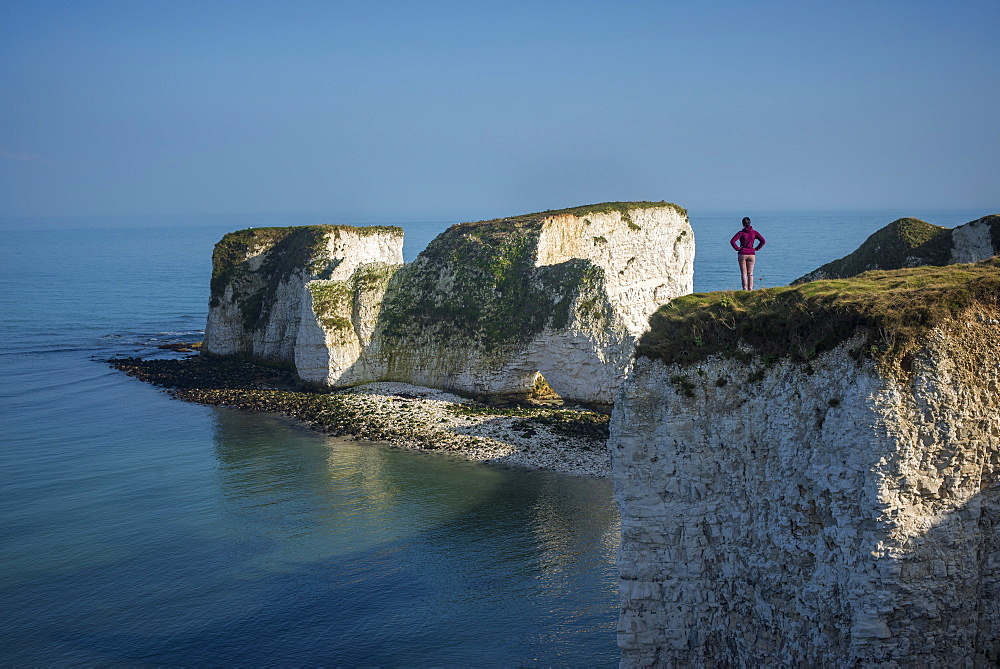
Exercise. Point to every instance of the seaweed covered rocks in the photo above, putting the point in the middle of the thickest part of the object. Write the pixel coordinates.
(570, 440)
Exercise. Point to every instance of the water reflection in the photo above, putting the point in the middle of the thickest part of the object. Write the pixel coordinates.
(409, 558)
(314, 497)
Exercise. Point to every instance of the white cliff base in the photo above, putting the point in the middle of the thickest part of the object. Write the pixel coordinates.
(843, 515)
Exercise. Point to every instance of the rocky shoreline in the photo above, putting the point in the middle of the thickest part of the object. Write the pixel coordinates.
(564, 439)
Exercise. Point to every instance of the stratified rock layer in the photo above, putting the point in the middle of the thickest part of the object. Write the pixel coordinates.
(485, 309)
(839, 512)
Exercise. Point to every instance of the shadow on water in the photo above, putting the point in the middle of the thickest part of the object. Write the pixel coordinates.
(363, 554)
(288, 547)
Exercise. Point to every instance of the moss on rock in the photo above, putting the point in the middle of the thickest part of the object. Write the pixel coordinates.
(625, 209)
(230, 258)
(890, 309)
(331, 302)
(906, 242)
(285, 250)
(372, 277)
(993, 220)
(479, 283)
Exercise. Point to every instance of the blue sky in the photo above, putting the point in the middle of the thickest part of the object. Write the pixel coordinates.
(396, 111)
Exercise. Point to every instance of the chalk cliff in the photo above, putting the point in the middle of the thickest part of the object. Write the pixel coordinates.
(910, 242)
(259, 277)
(487, 308)
(809, 475)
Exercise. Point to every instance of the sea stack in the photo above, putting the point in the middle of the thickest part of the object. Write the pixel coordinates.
(489, 308)
(259, 277)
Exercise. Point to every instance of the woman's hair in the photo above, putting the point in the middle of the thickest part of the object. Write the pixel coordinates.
(746, 220)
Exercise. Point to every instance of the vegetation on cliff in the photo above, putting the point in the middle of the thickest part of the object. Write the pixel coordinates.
(477, 279)
(623, 208)
(480, 282)
(891, 309)
(335, 303)
(285, 250)
(331, 302)
(906, 242)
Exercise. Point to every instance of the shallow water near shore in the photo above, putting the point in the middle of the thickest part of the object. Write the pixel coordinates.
(143, 530)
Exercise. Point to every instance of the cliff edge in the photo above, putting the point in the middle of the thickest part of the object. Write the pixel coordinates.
(808, 475)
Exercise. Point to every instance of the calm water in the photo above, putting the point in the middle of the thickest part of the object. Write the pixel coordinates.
(143, 530)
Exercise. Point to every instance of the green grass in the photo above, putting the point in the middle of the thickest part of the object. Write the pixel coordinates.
(891, 309)
(623, 208)
(906, 242)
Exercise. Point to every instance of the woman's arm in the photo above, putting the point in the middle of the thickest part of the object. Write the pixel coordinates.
(732, 242)
(760, 237)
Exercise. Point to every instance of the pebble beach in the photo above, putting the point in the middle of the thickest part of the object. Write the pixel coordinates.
(565, 439)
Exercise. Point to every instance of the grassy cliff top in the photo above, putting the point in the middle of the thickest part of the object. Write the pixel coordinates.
(892, 309)
(623, 208)
(305, 240)
(906, 242)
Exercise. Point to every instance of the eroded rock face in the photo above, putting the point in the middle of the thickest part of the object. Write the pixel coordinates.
(977, 240)
(837, 515)
(340, 317)
(564, 296)
(485, 309)
(259, 277)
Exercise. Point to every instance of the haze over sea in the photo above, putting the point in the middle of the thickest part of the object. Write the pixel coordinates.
(142, 530)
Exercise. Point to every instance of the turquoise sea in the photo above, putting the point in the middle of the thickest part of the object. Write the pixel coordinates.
(141, 530)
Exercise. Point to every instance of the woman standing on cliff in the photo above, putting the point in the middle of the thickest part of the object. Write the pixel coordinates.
(743, 242)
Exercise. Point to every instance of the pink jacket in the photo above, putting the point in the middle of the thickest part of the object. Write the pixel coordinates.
(746, 238)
